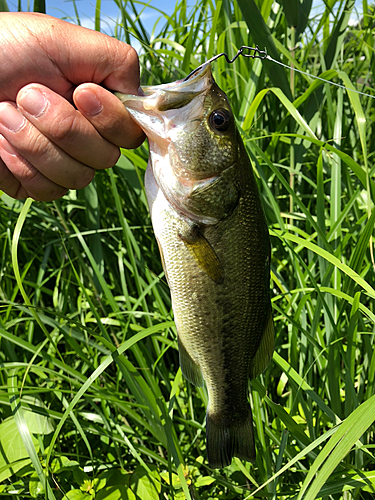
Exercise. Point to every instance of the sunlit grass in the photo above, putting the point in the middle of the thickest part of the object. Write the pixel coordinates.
(89, 373)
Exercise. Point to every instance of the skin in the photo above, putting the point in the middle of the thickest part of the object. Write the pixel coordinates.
(58, 123)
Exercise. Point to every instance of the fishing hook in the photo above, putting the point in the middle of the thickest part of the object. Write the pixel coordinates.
(258, 54)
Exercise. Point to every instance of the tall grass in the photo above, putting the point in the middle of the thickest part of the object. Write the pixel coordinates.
(92, 400)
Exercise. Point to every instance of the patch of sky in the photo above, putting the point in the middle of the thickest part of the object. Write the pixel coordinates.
(151, 13)
(83, 12)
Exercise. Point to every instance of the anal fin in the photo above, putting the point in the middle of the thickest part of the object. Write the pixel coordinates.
(189, 368)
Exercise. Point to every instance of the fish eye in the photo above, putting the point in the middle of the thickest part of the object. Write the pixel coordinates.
(220, 120)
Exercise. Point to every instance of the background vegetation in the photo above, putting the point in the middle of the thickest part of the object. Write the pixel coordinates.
(92, 400)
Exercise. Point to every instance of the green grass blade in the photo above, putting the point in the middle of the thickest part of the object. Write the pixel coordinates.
(361, 124)
(107, 361)
(298, 457)
(336, 38)
(291, 10)
(330, 258)
(98, 15)
(304, 386)
(40, 6)
(261, 36)
(337, 448)
(25, 433)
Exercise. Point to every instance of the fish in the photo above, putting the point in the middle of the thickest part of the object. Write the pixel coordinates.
(213, 238)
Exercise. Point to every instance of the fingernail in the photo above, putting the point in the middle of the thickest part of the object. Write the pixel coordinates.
(10, 117)
(33, 101)
(89, 103)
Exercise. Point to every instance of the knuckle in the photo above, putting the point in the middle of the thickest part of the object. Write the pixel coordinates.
(72, 174)
(126, 55)
(54, 192)
(38, 151)
(63, 129)
(115, 157)
(21, 193)
(32, 176)
(132, 57)
(86, 176)
(111, 159)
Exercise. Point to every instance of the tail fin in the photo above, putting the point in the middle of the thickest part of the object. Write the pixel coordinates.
(227, 440)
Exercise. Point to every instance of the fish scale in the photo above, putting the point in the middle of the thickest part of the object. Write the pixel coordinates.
(215, 248)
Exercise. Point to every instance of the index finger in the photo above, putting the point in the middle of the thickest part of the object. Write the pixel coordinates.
(108, 115)
(55, 118)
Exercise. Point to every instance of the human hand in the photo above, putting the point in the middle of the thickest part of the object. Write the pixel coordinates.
(46, 145)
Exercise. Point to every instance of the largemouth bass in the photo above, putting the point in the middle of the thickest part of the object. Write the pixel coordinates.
(214, 244)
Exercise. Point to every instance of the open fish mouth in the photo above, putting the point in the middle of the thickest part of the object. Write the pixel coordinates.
(168, 96)
(169, 107)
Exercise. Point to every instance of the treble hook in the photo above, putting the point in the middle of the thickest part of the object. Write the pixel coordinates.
(258, 54)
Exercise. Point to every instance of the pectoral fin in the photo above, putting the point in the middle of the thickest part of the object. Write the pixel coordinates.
(203, 253)
(265, 350)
